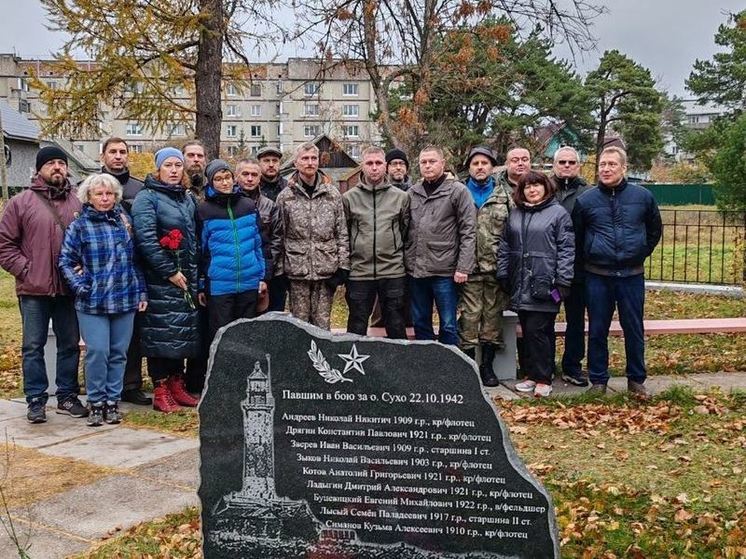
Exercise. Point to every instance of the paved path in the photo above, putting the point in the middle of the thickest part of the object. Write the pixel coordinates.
(157, 474)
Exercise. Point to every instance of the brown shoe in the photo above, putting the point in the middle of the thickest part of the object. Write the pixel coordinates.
(637, 390)
(599, 389)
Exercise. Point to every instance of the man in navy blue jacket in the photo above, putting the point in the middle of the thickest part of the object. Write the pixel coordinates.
(617, 226)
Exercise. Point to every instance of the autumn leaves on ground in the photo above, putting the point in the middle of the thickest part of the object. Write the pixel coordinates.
(664, 479)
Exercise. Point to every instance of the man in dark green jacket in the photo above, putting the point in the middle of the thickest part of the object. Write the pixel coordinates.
(377, 217)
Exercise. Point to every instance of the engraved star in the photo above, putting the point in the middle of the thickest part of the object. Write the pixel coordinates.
(353, 360)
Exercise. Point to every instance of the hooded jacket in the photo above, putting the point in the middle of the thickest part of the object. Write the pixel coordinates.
(170, 327)
(377, 220)
(31, 238)
(316, 241)
(271, 226)
(101, 243)
(232, 256)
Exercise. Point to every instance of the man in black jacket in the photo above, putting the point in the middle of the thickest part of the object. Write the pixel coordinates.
(269, 162)
(569, 185)
(115, 161)
(617, 226)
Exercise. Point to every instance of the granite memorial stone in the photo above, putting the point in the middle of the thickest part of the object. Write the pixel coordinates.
(318, 446)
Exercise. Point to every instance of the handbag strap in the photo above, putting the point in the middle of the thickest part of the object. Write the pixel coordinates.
(52, 209)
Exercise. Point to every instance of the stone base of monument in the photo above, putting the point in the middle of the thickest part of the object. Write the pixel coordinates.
(327, 447)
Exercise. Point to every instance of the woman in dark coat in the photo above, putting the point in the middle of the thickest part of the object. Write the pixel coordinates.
(535, 265)
(165, 229)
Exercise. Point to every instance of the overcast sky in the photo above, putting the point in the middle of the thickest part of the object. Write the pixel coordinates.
(666, 36)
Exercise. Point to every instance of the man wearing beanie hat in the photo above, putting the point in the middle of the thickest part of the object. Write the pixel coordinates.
(481, 301)
(31, 233)
(397, 167)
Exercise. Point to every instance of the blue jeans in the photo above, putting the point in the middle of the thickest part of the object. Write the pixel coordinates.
(36, 311)
(107, 337)
(627, 294)
(441, 290)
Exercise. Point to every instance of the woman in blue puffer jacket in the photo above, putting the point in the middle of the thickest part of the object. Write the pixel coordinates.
(234, 270)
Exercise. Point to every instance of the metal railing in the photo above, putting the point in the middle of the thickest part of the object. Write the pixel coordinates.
(700, 246)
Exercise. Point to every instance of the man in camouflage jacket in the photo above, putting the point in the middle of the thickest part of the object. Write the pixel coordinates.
(482, 302)
(315, 255)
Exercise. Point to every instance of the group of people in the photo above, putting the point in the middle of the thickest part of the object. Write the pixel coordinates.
(155, 269)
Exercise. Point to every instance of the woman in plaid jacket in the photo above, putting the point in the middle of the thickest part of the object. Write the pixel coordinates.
(98, 263)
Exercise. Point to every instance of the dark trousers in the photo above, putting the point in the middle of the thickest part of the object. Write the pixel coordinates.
(537, 357)
(627, 295)
(361, 296)
(196, 367)
(133, 370)
(575, 332)
(224, 309)
(278, 293)
(36, 312)
(160, 368)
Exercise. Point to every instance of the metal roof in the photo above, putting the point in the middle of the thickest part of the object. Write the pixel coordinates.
(16, 126)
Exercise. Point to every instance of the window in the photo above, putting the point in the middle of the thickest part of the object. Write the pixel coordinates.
(230, 90)
(23, 84)
(349, 89)
(311, 130)
(233, 151)
(232, 110)
(278, 109)
(231, 130)
(133, 129)
(351, 111)
(254, 150)
(51, 84)
(24, 106)
(354, 151)
(311, 110)
(178, 91)
(279, 87)
(80, 148)
(693, 119)
(255, 130)
(311, 88)
(256, 110)
(256, 90)
(351, 131)
(135, 148)
(178, 130)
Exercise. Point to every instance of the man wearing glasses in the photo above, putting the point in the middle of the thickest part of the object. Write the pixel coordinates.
(518, 163)
(569, 185)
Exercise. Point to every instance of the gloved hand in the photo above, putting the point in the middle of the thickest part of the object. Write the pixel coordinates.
(564, 292)
(339, 278)
(504, 284)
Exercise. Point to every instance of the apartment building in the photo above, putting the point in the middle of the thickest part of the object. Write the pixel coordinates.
(283, 104)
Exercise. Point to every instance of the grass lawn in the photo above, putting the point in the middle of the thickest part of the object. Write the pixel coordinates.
(664, 479)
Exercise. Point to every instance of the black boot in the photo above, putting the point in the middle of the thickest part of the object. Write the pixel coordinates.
(471, 353)
(485, 368)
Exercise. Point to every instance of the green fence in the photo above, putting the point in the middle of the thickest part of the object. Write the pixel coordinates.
(682, 194)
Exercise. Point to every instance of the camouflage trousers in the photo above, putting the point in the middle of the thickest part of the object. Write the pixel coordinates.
(311, 301)
(481, 305)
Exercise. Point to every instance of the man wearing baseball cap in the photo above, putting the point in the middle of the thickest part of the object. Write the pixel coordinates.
(481, 301)
(31, 233)
(269, 164)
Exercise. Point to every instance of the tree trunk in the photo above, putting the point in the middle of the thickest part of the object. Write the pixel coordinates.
(600, 137)
(208, 76)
